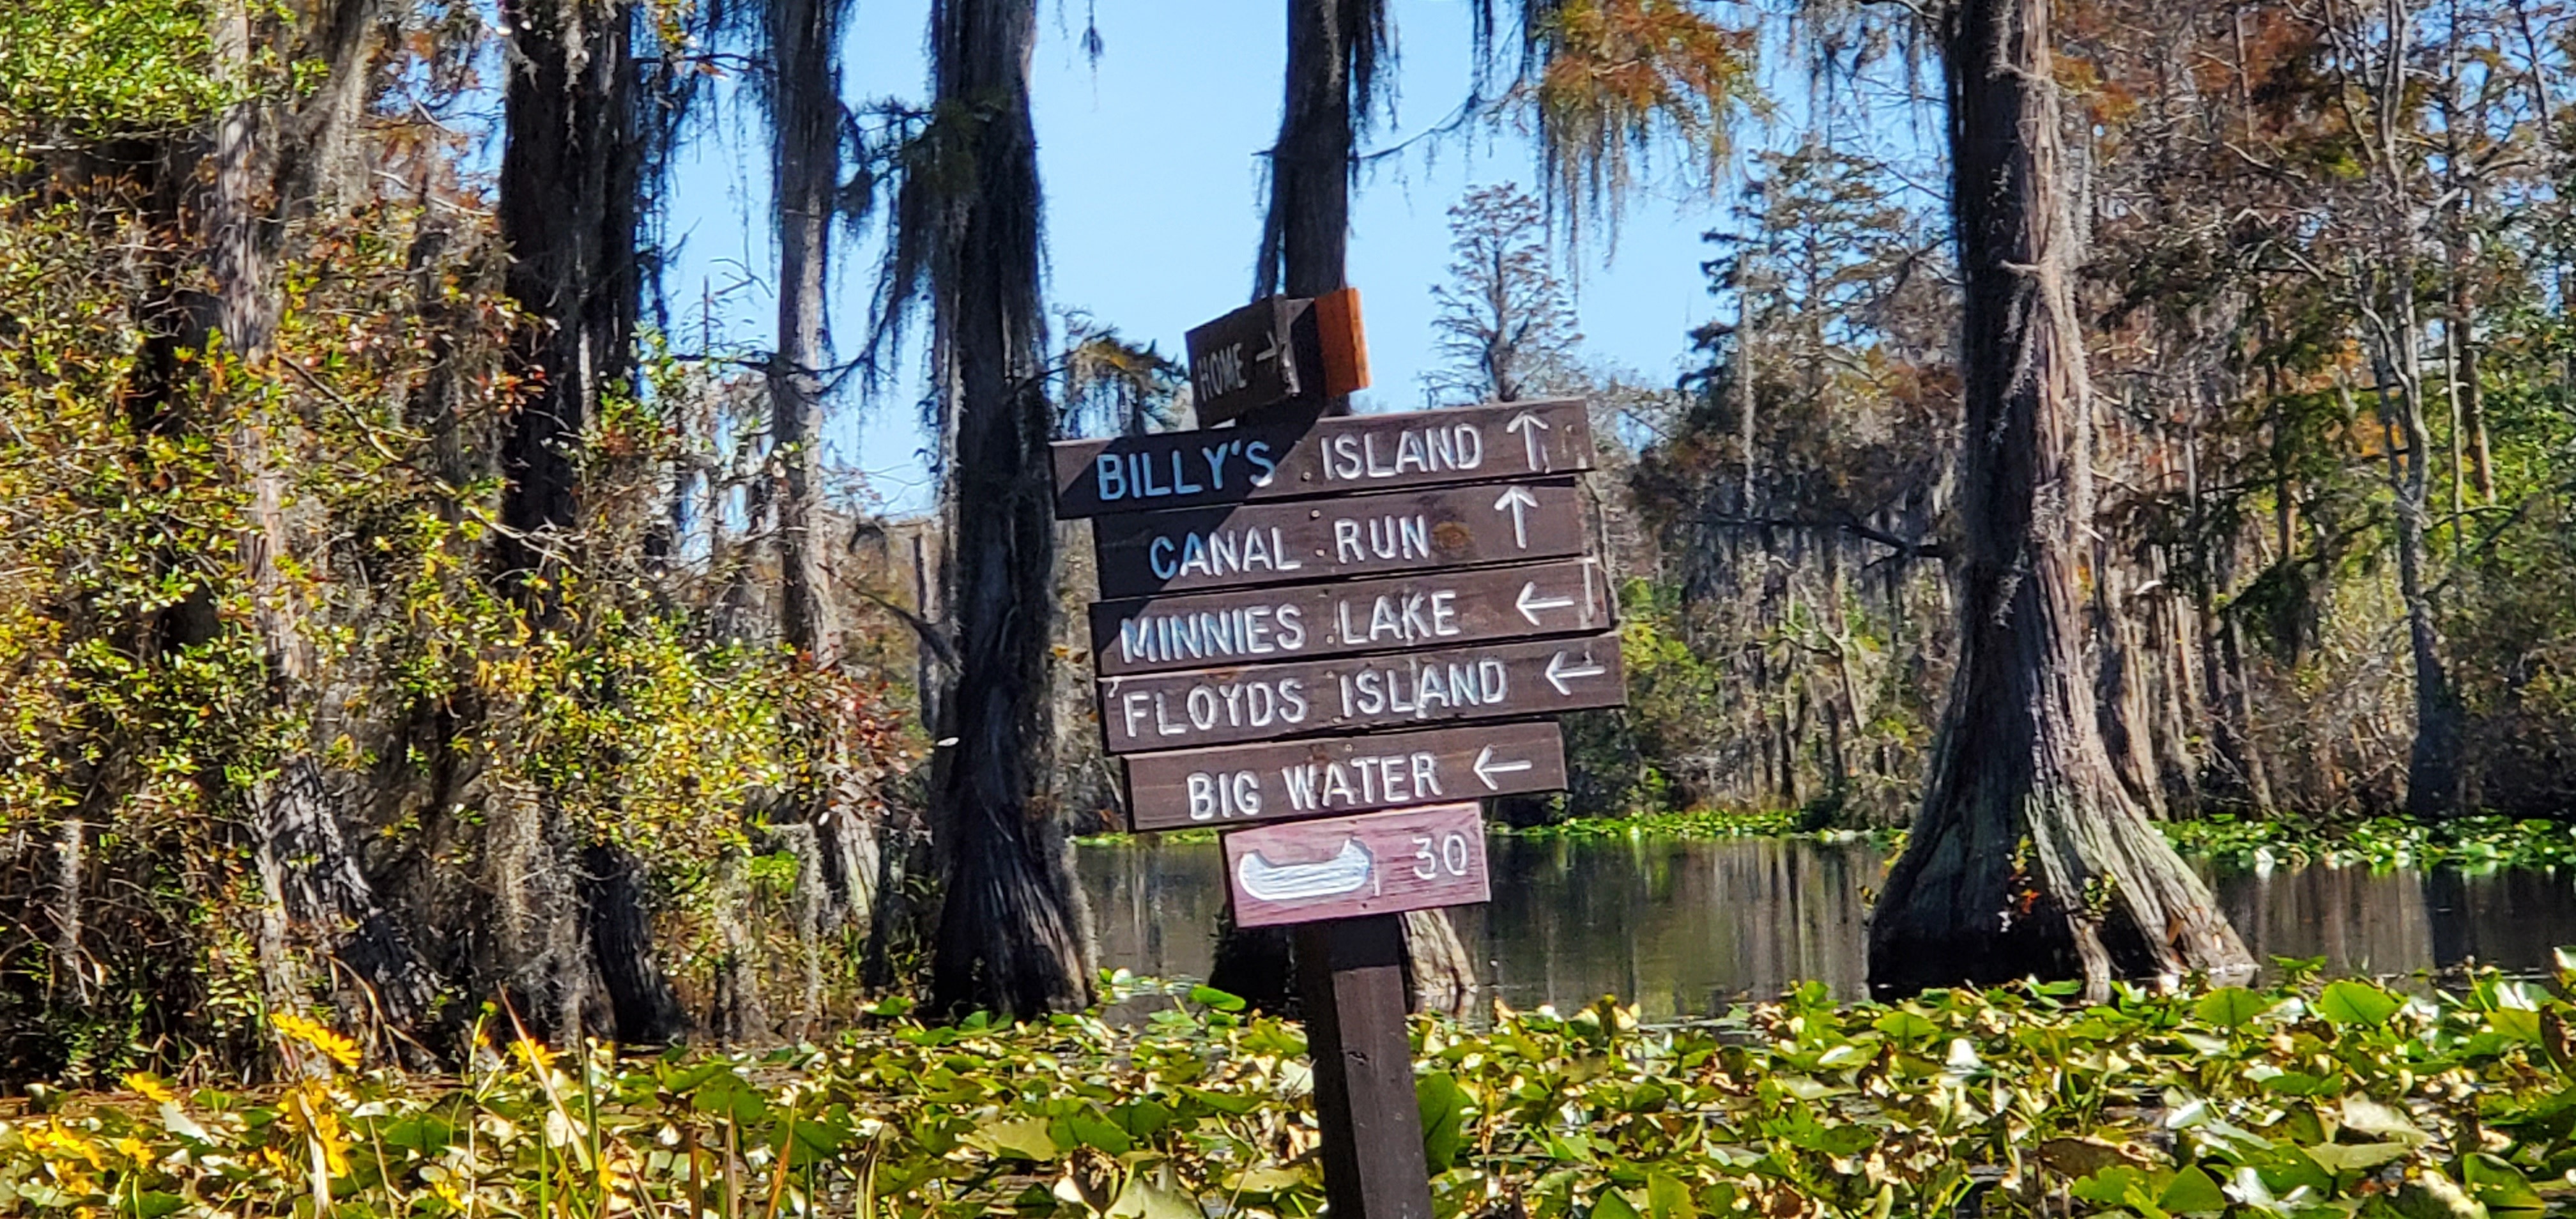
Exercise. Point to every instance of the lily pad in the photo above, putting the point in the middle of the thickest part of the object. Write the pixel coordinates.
(2349, 1001)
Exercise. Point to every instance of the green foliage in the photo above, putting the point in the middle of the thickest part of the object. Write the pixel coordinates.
(2476, 843)
(99, 69)
(2350, 1101)
(157, 680)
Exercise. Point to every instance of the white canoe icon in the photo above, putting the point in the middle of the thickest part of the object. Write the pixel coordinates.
(1283, 882)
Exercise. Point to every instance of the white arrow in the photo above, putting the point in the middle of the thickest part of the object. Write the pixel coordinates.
(1529, 602)
(1558, 671)
(1487, 767)
(1519, 501)
(1529, 426)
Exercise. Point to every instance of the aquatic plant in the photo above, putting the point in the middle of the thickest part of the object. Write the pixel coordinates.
(2338, 1099)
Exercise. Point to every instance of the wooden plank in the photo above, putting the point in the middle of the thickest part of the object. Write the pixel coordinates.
(1304, 458)
(1344, 342)
(1191, 710)
(1145, 553)
(1293, 780)
(1342, 867)
(1350, 974)
(1247, 360)
(1208, 630)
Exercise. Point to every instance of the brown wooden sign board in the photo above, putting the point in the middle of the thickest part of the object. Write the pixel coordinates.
(1303, 698)
(1311, 457)
(1248, 360)
(1241, 784)
(1431, 609)
(1336, 539)
(1342, 867)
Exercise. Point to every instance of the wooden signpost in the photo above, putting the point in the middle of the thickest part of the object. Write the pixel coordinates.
(1434, 609)
(1286, 780)
(1360, 535)
(1187, 710)
(1332, 636)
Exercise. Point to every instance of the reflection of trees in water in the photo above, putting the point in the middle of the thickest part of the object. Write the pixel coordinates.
(2358, 921)
(1685, 927)
(2507, 919)
(1679, 927)
(1153, 905)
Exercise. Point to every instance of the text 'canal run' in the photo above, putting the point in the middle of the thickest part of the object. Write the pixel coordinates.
(1358, 535)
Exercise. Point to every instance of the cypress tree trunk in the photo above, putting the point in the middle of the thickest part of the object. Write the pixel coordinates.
(1013, 931)
(805, 173)
(571, 175)
(317, 903)
(1305, 240)
(2027, 857)
(571, 170)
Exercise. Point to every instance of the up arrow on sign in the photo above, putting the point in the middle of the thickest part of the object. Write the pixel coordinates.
(1518, 499)
(1529, 426)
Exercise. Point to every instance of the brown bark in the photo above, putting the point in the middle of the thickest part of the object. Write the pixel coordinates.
(805, 174)
(322, 929)
(739, 1017)
(570, 177)
(2027, 857)
(570, 181)
(1013, 930)
(1305, 244)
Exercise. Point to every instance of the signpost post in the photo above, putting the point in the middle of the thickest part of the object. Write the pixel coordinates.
(1332, 637)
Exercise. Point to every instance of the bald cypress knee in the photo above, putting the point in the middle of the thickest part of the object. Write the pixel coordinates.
(2027, 857)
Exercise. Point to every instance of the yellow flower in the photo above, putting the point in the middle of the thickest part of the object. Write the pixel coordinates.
(152, 1088)
(50, 1139)
(321, 1037)
(308, 1110)
(535, 1054)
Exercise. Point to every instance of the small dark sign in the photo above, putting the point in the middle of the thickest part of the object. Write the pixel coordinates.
(1359, 535)
(1304, 698)
(1344, 867)
(1241, 784)
(1309, 458)
(1247, 360)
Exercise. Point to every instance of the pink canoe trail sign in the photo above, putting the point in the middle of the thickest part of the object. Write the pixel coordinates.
(1380, 863)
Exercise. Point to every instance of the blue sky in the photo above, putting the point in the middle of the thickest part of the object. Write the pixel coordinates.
(1153, 195)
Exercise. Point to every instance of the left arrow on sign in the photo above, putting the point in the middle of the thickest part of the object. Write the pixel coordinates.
(1486, 767)
(1558, 671)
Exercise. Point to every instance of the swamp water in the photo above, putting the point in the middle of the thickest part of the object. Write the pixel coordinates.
(1685, 927)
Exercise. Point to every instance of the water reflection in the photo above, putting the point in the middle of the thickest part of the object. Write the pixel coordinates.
(1685, 927)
